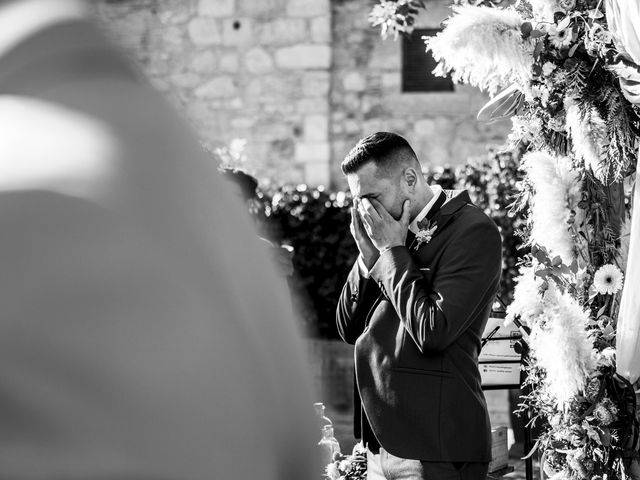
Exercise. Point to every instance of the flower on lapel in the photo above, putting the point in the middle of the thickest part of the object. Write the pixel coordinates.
(425, 232)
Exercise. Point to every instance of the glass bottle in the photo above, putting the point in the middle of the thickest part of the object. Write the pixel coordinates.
(329, 446)
(321, 418)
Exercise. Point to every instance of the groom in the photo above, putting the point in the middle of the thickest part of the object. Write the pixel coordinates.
(415, 305)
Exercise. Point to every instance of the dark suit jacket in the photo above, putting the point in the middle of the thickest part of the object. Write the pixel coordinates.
(143, 333)
(416, 324)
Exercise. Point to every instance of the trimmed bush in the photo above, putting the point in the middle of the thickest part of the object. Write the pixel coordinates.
(315, 222)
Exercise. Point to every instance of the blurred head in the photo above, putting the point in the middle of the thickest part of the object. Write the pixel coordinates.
(384, 167)
(245, 185)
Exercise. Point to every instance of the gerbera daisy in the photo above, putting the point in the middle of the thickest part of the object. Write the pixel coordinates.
(608, 280)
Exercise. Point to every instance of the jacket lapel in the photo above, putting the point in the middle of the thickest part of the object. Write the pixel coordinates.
(458, 199)
(446, 214)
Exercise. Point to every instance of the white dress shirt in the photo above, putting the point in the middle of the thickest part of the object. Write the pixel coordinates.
(413, 226)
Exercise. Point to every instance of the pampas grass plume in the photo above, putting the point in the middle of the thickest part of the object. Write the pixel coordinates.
(556, 189)
(563, 347)
(484, 47)
(527, 303)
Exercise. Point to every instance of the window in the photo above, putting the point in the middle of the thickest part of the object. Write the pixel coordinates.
(417, 65)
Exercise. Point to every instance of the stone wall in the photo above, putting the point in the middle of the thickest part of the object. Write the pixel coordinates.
(257, 70)
(366, 94)
(300, 80)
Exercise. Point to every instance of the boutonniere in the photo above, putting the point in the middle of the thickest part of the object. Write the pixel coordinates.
(425, 232)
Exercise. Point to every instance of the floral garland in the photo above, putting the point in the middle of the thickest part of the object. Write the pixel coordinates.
(558, 71)
(348, 467)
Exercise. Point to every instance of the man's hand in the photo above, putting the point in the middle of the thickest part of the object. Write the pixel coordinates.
(384, 231)
(367, 249)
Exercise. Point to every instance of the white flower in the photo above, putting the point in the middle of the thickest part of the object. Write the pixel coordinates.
(543, 10)
(561, 35)
(332, 471)
(567, 4)
(608, 280)
(607, 357)
(547, 68)
(425, 235)
(387, 16)
(541, 92)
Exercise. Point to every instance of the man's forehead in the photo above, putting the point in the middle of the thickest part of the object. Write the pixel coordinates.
(365, 181)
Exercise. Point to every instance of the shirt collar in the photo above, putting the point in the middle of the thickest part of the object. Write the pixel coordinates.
(20, 20)
(437, 190)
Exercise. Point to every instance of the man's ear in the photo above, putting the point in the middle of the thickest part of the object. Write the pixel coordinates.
(411, 177)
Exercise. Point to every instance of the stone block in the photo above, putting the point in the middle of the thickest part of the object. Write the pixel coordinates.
(260, 8)
(258, 61)
(175, 12)
(220, 87)
(392, 81)
(317, 173)
(316, 83)
(205, 31)
(185, 80)
(229, 62)
(354, 82)
(321, 29)
(308, 8)
(283, 31)
(242, 124)
(168, 17)
(303, 57)
(216, 8)
(312, 152)
(352, 127)
(386, 56)
(316, 128)
(313, 105)
(203, 62)
(237, 31)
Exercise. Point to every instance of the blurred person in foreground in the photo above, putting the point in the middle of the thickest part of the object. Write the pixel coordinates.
(247, 190)
(415, 305)
(141, 332)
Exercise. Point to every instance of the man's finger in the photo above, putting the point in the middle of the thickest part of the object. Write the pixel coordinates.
(370, 209)
(367, 223)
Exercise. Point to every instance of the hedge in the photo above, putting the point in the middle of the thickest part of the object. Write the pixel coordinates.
(315, 222)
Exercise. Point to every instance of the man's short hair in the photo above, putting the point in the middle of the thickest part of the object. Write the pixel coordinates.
(385, 149)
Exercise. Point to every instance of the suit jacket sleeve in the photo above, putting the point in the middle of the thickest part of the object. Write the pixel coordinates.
(357, 297)
(435, 313)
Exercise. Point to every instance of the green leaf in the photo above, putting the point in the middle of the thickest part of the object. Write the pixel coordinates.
(605, 436)
(541, 257)
(556, 261)
(565, 270)
(526, 28)
(537, 50)
(574, 266)
(573, 49)
(543, 272)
